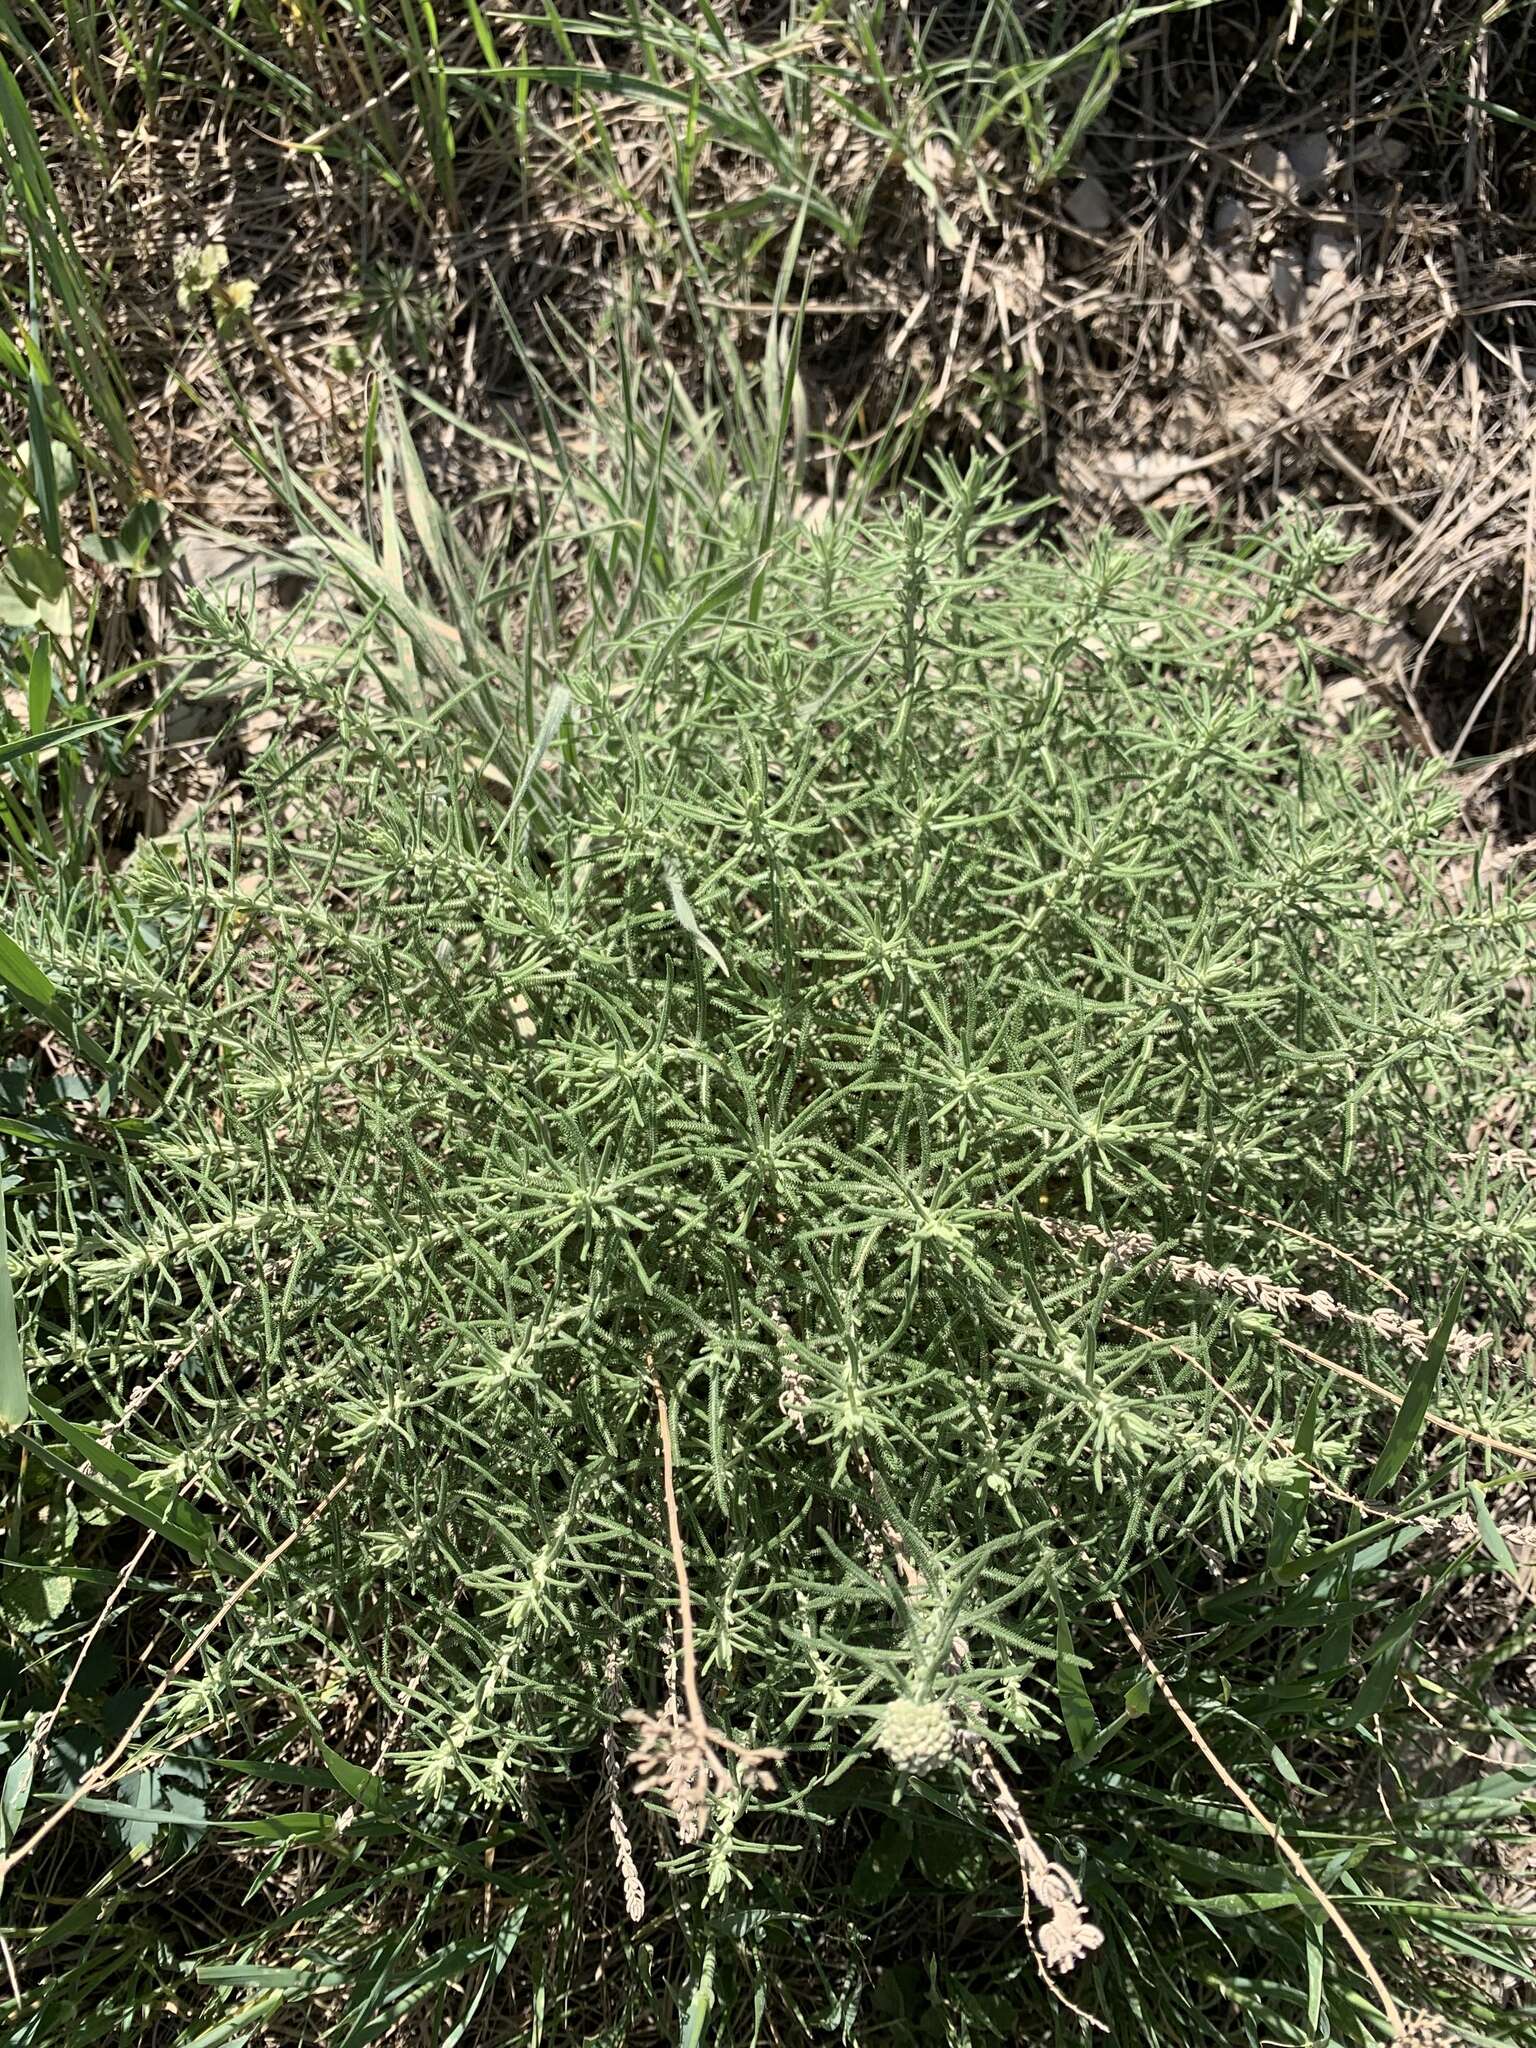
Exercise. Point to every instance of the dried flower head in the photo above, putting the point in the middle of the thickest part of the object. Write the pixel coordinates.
(1068, 1936)
(684, 1763)
(623, 1847)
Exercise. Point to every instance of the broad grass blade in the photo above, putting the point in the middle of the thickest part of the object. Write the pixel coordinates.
(1409, 1422)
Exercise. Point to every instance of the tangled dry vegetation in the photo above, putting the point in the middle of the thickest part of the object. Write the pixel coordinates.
(1209, 260)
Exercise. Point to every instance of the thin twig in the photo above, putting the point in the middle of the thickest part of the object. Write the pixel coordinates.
(1523, 1455)
(44, 1729)
(1321, 1244)
(1266, 1430)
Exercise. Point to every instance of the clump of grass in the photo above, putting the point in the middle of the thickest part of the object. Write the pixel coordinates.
(722, 1121)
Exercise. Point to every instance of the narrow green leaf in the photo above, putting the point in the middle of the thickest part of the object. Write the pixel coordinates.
(503, 1946)
(1384, 1659)
(1493, 1536)
(1284, 1766)
(13, 503)
(549, 726)
(157, 1798)
(39, 686)
(120, 1483)
(683, 911)
(40, 742)
(1138, 1696)
(702, 2002)
(30, 1131)
(236, 2029)
(45, 475)
(1314, 1941)
(361, 1785)
(82, 336)
(714, 598)
(32, 986)
(1291, 1508)
(1319, 1567)
(1335, 1651)
(1237, 1904)
(1076, 1708)
(483, 34)
(284, 1828)
(23, 974)
(14, 1794)
(1409, 1423)
(14, 1405)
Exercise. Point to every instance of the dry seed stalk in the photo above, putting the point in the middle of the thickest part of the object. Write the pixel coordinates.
(682, 1758)
(794, 1398)
(1067, 1935)
(1271, 1828)
(100, 1773)
(613, 1762)
(1133, 1247)
(794, 1387)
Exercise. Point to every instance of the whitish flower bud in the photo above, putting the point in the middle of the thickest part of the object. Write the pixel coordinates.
(917, 1736)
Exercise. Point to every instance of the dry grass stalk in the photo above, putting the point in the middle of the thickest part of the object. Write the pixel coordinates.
(101, 1772)
(1521, 1453)
(1265, 1430)
(613, 1776)
(1136, 1247)
(680, 1757)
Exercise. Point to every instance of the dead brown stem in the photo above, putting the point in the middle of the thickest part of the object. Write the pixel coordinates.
(682, 1760)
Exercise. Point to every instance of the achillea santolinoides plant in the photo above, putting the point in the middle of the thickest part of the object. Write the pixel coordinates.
(859, 1027)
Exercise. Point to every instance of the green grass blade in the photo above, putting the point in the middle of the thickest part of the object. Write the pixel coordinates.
(14, 1405)
(1494, 1540)
(1077, 1713)
(25, 978)
(1408, 1424)
(39, 742)
(82, 332)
